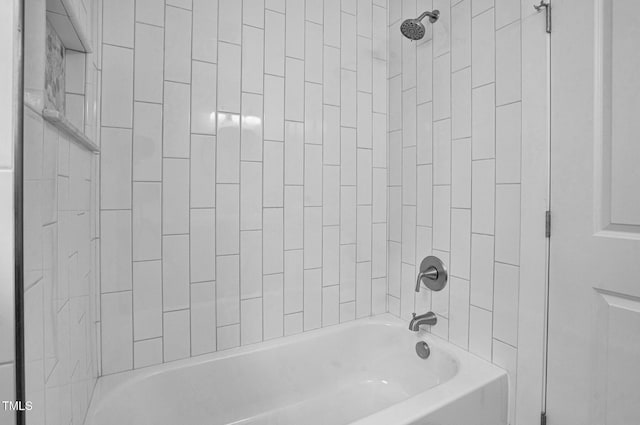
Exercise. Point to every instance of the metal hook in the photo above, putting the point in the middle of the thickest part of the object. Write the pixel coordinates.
(540, 6)
(547, 8)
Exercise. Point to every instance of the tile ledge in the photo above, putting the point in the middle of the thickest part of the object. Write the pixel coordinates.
(62, 123)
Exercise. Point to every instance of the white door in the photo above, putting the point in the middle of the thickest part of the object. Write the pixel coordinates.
(594, 304)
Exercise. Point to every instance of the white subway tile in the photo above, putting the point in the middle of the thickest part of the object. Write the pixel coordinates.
(293, 280)
(459, 314)
(365, 116)
(508, 143)
(348, 156)
(313, 52)
(347, 273)
(479, 6)
(250, 264)
(379, 31)
(184, 4)
(483, 123)
(202, 244)
(228, 337)
(364, 15)
(349, 43)
(506, 12)
(251, 321)
(440, 300)
(274, 307)
(147, 299)
(205, 30)
(252, 60)
(118, 22)
(483, 49)
(409, 63)
(294, 153)
(274, 43)
(250, 195)
(313, 113)
(295, 10)
(203, 98)
(227, 291)
(460, 243)
(229, 76)
(483, 196)
(363, 289)
(348, 99)
(379, 200)
(505, 303)
(409, 127)
(395, 214)
(149, 56)
(331, 136)
(273, 175)
(228, 149)
(251, 127)
(115, 250)
(312, 237)
(442, 32)
(347, 215)
(294, 90)
(332, 22)
(508, 223)
(177, 49)
(116, 168)
(150, 12)
(273, 108)
(177, 338)
(424, 201)
(347, 311)
(175, 205)
(203, 171)
(442, 88)
(442, 152)
(203, 317)
(147, 225)
(312, 299)
(117, 330)
(364, 170)
(424, 59)
(508, 64)
(230, 21)
(395, 268)
(441, 217)
(227, 219)
(253, 13)
(147, 142)
(330, 305)
(480, 340)
(312, 175)
(461, 173)
(424, 134)
(273, 241)
(331, 256)
(331, 75)
(461, 104)
(408, 234)
(365, 65)
(407, 291)
(147, 353)
(293, 323)
(379, 296)
(293, 217)
(176, 119)
(482, 271)
(461, 35)
(175, 272)
(409, 176)
(277, 5)
(117, 86)
(331, 195)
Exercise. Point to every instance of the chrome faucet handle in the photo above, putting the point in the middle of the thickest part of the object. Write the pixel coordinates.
(433, 273)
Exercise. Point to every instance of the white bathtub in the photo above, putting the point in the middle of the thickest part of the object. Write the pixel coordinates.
(364, 372)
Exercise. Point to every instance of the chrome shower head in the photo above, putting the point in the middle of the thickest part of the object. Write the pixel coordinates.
(414, 29)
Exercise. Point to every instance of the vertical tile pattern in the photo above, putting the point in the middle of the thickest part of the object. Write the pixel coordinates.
(244, 196)
(454, 148)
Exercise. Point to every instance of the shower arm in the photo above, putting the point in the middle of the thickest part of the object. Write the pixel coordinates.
(433, 16)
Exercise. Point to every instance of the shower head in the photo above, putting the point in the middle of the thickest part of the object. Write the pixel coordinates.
(413, 29)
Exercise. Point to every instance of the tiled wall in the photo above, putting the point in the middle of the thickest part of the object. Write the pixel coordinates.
(243, 172)
(7, 324)
(60, 236)
(454, 171)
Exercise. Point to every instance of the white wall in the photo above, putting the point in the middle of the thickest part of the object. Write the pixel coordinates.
(454, 172)
(7, 369)
(243, 172)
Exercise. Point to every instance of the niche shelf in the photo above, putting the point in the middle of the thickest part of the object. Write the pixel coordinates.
(62, 123)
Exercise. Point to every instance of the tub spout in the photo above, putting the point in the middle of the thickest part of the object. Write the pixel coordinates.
(428, 318)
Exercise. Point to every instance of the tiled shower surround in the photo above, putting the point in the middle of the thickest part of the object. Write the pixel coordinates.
(243, 172)
(454, 171)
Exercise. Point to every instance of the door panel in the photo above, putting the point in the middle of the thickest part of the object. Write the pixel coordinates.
(594, 304)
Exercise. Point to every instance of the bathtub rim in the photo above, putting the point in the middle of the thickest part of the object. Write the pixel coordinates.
(472, 372)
